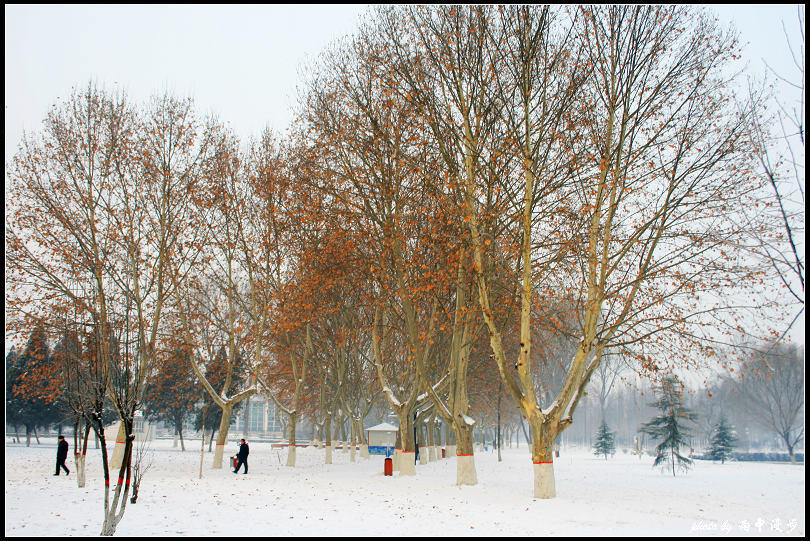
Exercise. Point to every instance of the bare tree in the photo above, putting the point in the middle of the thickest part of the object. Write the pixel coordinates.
(94, 253)
(630, 158)
(780, 151)
(771, 390)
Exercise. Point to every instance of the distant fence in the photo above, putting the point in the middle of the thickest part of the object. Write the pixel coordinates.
(386, 450)
(757, 457)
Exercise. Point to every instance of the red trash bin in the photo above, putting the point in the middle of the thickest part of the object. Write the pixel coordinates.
(234, 461)
(443, 452)
(389, 466)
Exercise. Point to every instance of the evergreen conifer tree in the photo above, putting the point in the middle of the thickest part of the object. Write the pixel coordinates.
(605, 444)
(171, 395)
(14, 415)
(30, 395)
(668, 428)
(723, 441)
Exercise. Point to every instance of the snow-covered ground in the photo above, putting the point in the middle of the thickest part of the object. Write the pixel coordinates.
(621, 496)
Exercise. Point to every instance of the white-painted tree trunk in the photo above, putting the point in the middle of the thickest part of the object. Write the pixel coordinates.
(364, 450)
(328, 454)
(202, 448)
(353, 452)
(291, 456)
(423, 455)
(544, 480)
(451, 450)
(465, 470)
(219, 453)
(222, 436)
(407, 465)
(118, 450)
(397, 459)
(431, 443)
(81, 477)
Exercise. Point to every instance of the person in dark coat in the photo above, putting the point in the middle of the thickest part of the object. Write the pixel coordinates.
(241, 457)
(61, 455)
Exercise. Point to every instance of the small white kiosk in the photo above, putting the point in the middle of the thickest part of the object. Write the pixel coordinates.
(381, 439)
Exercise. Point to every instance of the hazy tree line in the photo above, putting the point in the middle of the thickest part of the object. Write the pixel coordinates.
(765, 408)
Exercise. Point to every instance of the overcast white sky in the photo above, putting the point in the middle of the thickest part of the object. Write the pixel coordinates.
(241, 62)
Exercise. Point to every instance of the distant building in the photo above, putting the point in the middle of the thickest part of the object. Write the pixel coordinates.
(143, 429)
(381, 439)
(264, 420)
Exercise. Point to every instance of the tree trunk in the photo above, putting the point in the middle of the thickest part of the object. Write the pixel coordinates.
(118, 450)
(79, 454)
(543, 459)
(81, 477)
(465, 463)
(202, 440)
(431, 441)
(344, 437)
(328, 437)
(407, 463)
(498, 434)
(291, 441)
(222, 436)
(421, 440)
(450, 441)
(786, 438)
(361, 437)
(114, 512)
(353, 429)
(397, 452)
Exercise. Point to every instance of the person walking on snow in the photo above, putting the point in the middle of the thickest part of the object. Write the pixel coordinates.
(241, 457)
(61, 455)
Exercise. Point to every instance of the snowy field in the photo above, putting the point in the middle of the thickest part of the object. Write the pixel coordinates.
(621, 496)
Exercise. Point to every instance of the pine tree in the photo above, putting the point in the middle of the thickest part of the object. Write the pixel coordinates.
(668, 427)
(13, 404)
(723, 441)
(173, 392)
(30, 391)
(605, 444)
